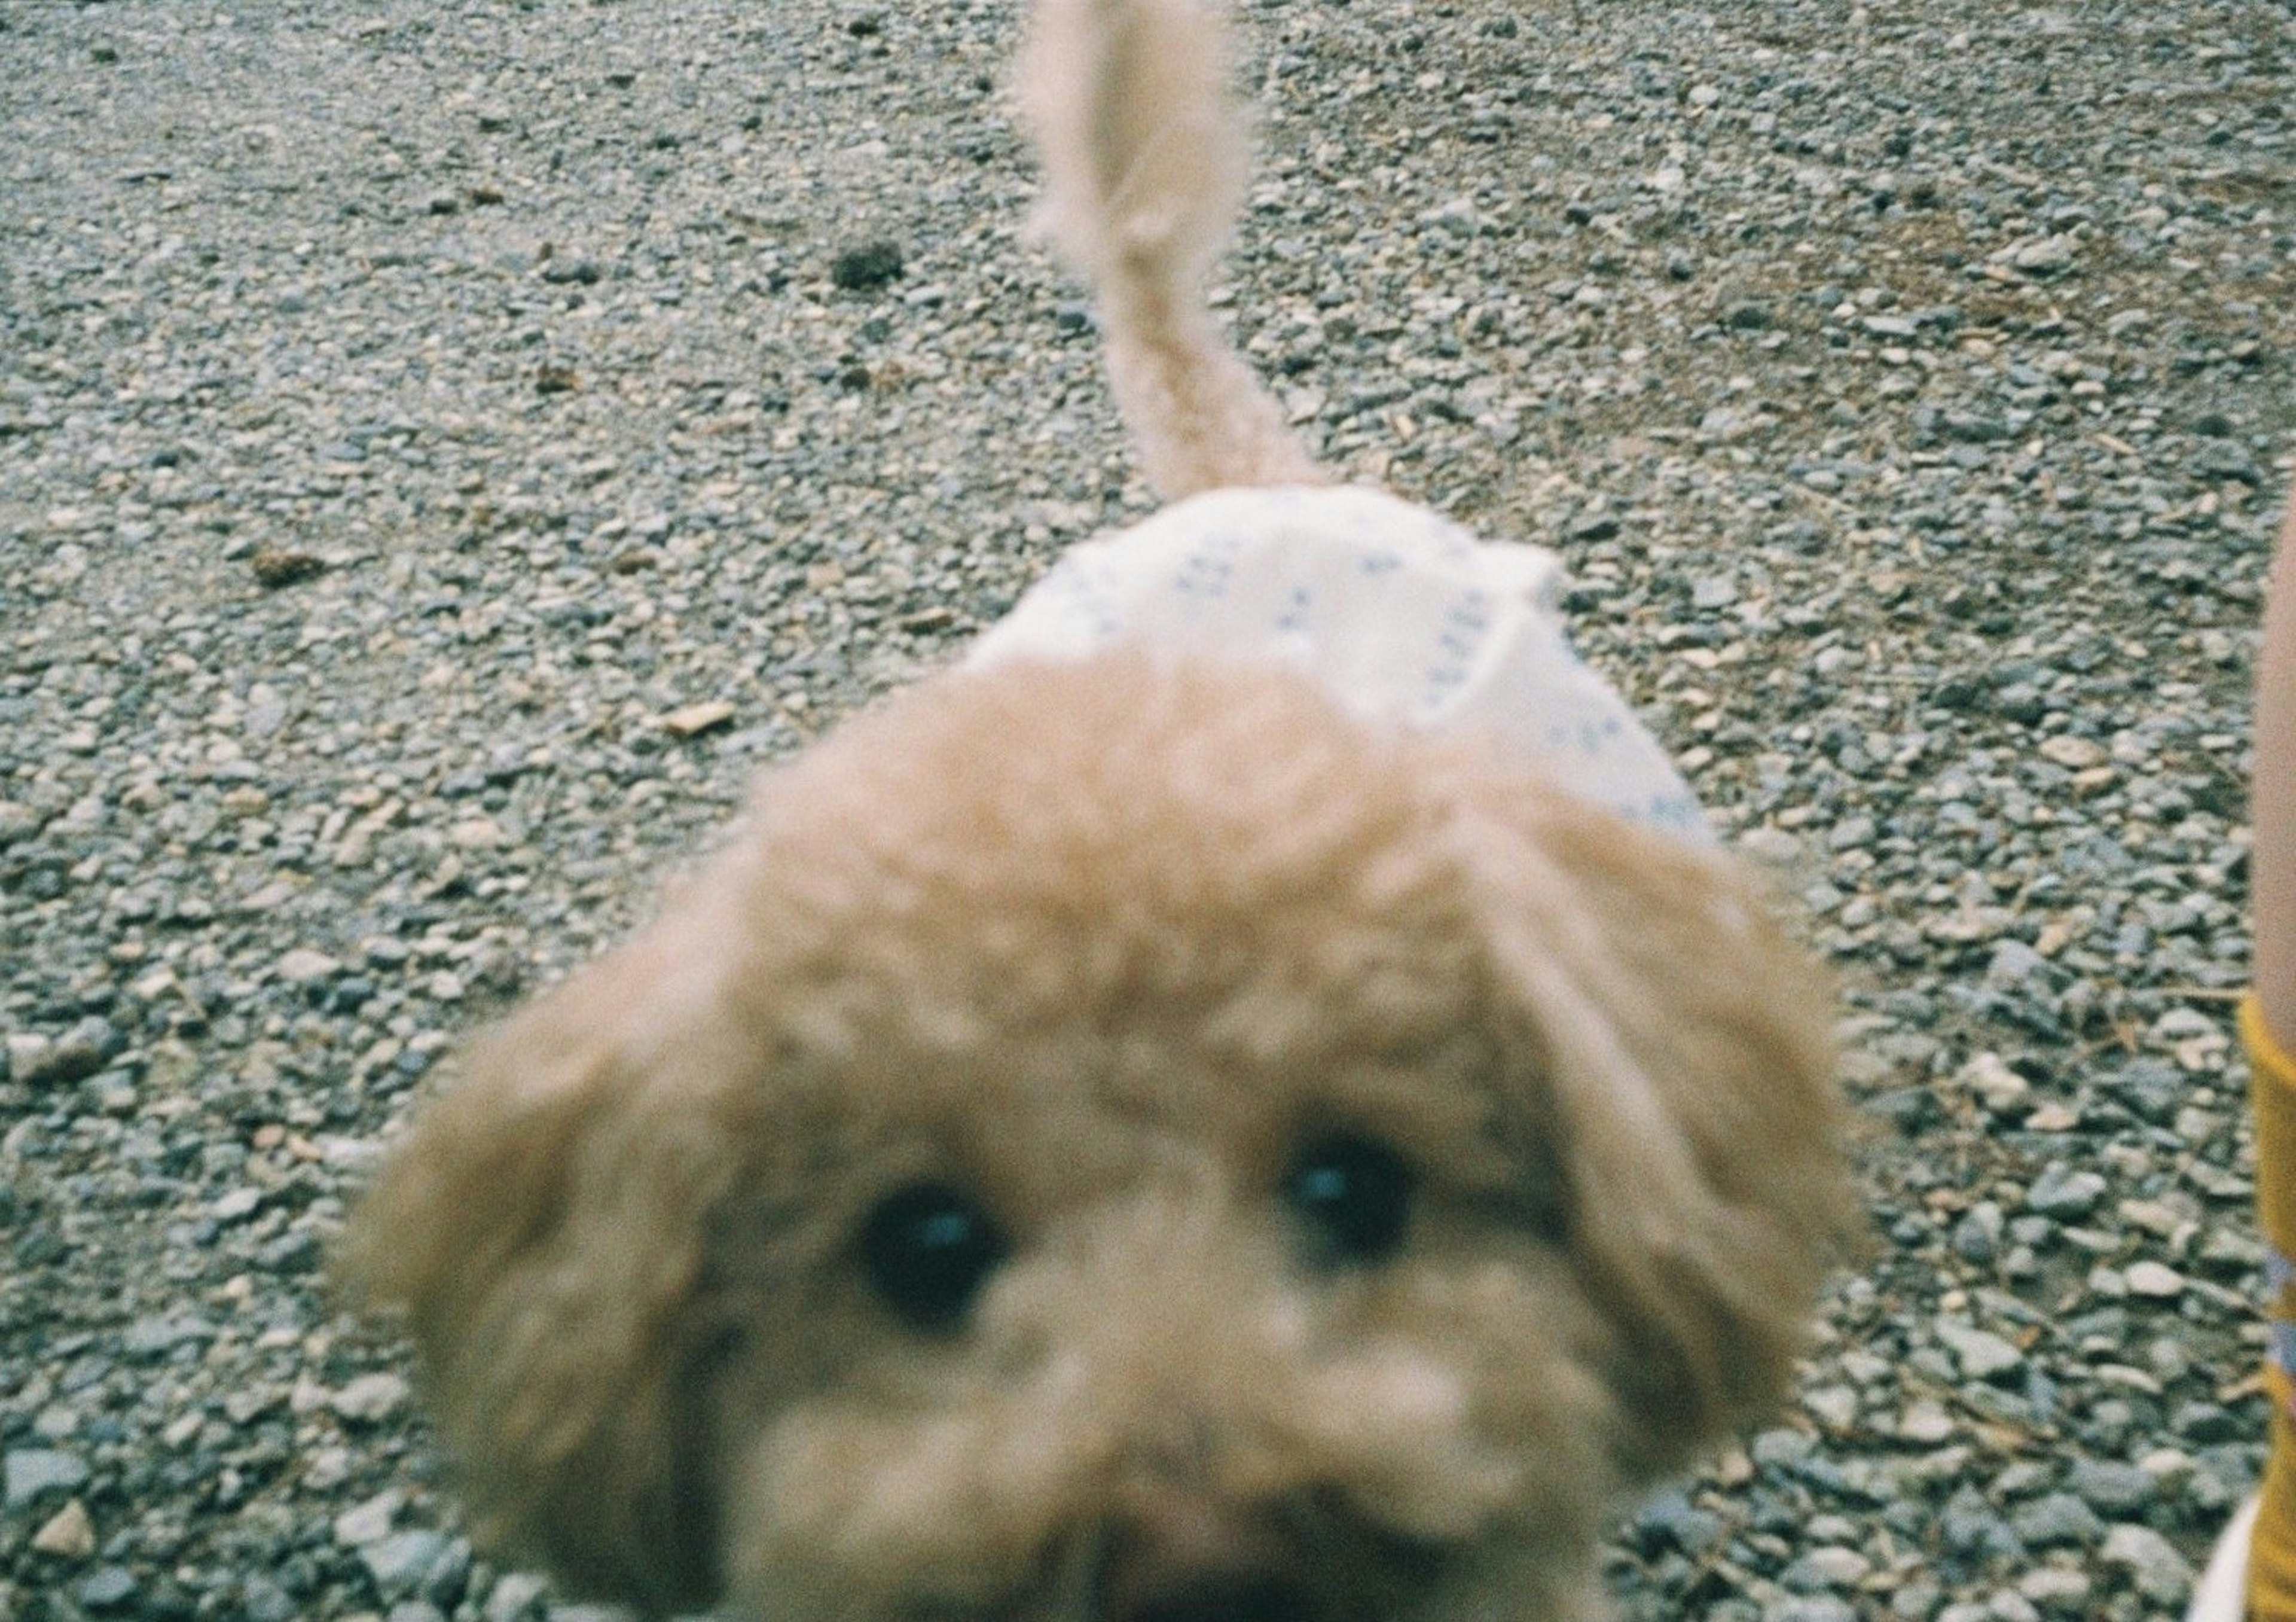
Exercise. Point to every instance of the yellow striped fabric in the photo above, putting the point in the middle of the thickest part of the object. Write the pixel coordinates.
(2272, 1086)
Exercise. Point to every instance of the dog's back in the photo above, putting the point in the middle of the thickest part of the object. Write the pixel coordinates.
(1145, 170)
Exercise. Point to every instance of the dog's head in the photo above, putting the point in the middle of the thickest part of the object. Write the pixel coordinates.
(1126, 1140)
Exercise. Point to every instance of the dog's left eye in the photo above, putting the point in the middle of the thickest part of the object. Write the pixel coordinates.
(1354, 1194)
(927, 1250)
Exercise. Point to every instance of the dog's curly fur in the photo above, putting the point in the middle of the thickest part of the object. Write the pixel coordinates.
(1102, 945)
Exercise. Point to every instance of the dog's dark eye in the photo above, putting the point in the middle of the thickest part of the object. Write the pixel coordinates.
(928, 1249)
(1354, 1194)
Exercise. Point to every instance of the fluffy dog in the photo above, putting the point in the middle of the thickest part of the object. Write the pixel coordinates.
(1131, 1131)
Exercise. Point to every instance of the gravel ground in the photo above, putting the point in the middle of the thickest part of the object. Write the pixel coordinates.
(444, 448)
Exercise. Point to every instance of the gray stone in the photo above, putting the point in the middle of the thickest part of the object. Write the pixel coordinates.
(304, 965)
(2009, 1605)
(151, 1337)
(2151, 1561)
(106, 1588)
(2049, 255)
(2058, 1519)
(399, 1562)
(1810, 1608)
(1980, 1354)
(35, 1473)
(1827, 1568)
(368, 1522)
(1977, 1236)
(2056, 1591)
(2204, 1422)
(1974, 1529)
(2065, 1193)
(2115, 1490)
(264, 1601)
(518, 1596)
(38, 1062)
(370, 1398)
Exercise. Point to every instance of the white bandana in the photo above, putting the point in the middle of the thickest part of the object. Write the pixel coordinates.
(1401, 615)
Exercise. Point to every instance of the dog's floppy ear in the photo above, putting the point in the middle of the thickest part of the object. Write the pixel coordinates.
(1685, 1044)
(540, 1229)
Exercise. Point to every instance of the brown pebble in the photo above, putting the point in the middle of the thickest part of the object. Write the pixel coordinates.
(278, 567)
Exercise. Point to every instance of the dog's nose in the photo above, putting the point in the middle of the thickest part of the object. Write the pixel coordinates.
(1181, 1557)
(1218, 1597)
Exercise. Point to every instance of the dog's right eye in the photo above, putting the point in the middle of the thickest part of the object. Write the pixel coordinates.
(927, 1250)
(1354, 1195)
